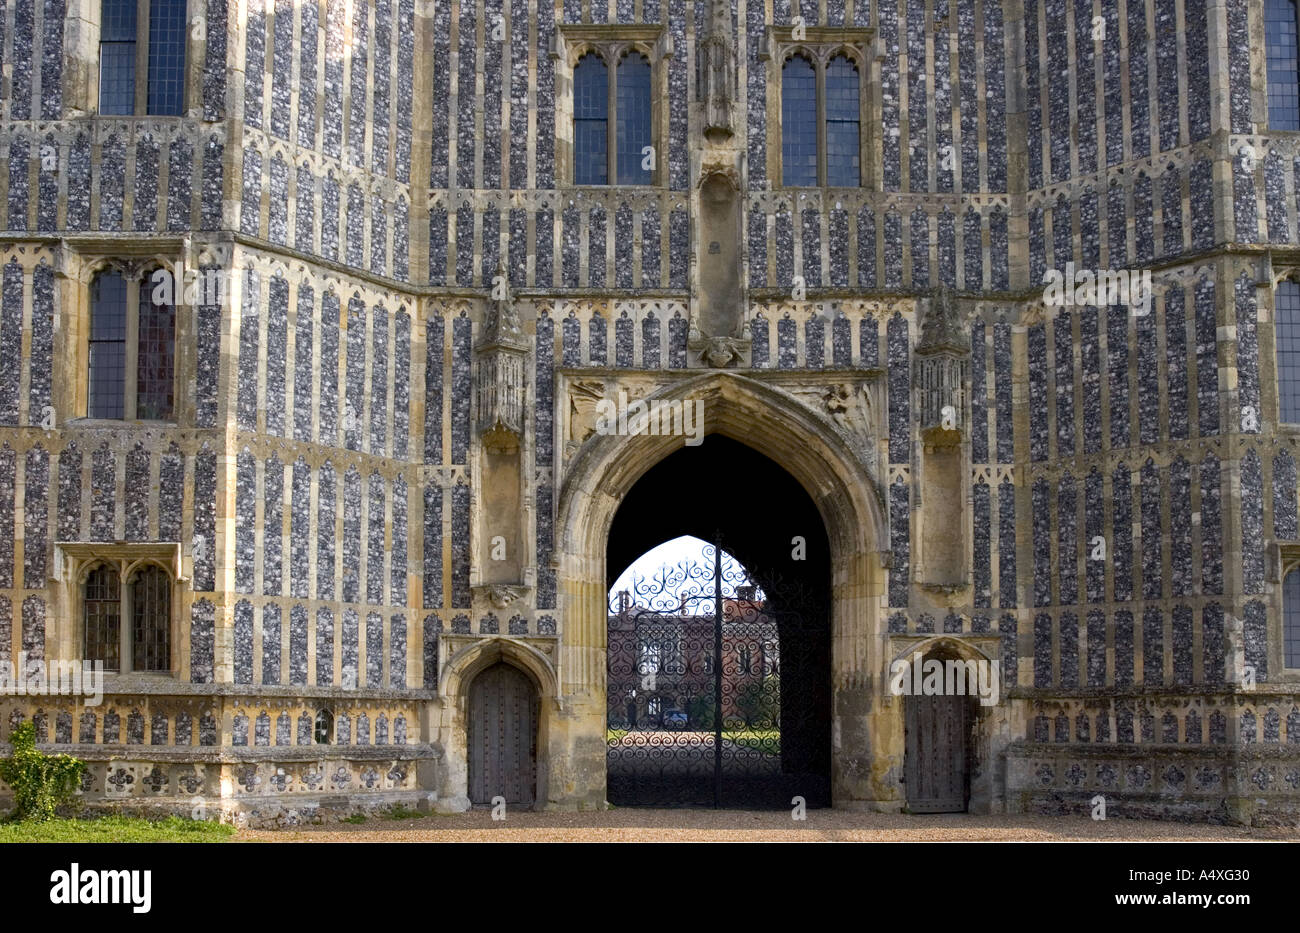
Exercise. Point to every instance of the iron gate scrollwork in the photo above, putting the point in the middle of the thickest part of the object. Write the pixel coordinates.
(718, 689)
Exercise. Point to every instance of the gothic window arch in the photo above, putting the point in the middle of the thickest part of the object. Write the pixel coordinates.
(324, 731)
(142, 37)
(1281, 52)
(138, 593)
(821, 118)
(131, 347)
(614, 114)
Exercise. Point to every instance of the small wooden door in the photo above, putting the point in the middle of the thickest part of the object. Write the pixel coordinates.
(935, 766)
(502, 737)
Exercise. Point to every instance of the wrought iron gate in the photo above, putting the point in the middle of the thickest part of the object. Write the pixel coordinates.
(718, 690)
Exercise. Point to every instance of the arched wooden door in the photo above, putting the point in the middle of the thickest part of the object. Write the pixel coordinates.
(502, 737)
(936, 767)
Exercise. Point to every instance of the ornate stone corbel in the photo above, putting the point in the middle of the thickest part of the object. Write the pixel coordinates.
(719, 352)
(500, 595)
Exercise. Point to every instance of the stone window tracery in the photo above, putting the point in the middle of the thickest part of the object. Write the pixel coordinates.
(614, 103)
(821, 115)
(620, 148)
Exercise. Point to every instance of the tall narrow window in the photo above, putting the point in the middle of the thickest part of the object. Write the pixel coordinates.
(154, 359)
(1291, 618)
(167, 34)
(590, 121)
(843, 148)
(151, 604)
(117, 39)
(1283, 82)
(633, 115)
(108, 317)
(132, 348)
(799, 122)
(102, 608)
(1287, 316)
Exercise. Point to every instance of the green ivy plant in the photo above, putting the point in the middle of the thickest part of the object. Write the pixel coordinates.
(39, 782)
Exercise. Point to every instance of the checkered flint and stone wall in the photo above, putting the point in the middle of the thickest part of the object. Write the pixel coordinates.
(358, 170)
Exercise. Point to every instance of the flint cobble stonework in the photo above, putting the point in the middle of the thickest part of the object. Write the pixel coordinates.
(358, 172)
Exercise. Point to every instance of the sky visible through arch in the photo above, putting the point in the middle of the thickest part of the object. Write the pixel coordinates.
(657, 578)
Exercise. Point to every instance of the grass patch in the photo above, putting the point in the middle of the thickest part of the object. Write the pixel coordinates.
(355, 819)
(117, 829)
(401, 812)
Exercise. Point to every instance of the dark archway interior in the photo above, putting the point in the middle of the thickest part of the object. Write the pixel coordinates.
(723, 486)
(724, 489)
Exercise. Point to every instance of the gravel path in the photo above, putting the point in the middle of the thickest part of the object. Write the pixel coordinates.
(625, 825)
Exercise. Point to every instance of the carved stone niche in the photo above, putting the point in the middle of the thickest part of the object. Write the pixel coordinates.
(942, 363)
(717, 332)
(499, 396)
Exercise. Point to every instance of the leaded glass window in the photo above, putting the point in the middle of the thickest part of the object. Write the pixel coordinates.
(1283, 83)
(1287, 317)
(843, 148)
(102, 614)
(155, 356)
(132, 348)
(117, 38)
(590, 121)
(634, 127)
(614, 115)
(1291, 618)
(821, 122)
(151, 620)
(108, 323)
(799, 122)
(167, 34)
(137, 35)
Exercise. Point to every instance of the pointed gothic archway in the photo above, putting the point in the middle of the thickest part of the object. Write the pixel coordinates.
(736, 641)
(803, 444)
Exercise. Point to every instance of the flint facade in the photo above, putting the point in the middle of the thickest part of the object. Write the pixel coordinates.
(360, 172)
